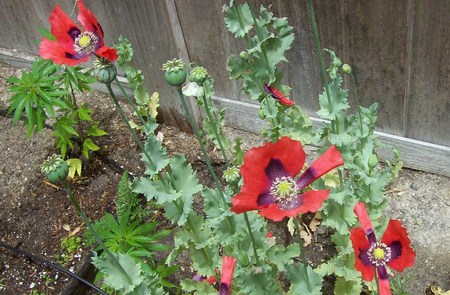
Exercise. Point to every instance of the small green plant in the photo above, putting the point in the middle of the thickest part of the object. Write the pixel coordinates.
(47, 94)
(69, 246)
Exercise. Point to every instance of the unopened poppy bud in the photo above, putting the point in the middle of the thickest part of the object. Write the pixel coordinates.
(198, 75)
(373, 160)
(55, 168)
(261, 114)
(243, 55)
(105, 74)
(346, 69)
(175, 74)
(243, 259)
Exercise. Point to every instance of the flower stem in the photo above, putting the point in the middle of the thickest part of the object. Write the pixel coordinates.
(133, 133)
(202, 146)
(355, 94)
(94, 233)
(376, 279)
(302, 254)
(250, 232)
(216, 132)
(208, 163)
(319, 51)
(130, 102)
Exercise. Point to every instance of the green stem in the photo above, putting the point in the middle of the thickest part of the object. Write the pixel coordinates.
(250, 232)
(355, 94)
(133, 133)
(216, 132)
(247, 222)
(130, 102)
(202, 146)
(319, 51)
(94, 233)
(302, 254)
(376, 279)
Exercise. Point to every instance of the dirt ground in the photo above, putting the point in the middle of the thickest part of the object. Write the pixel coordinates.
(35, 216)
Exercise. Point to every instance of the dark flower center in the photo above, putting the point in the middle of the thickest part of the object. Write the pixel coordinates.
(285, 192)
(85, 43)
(379, 254)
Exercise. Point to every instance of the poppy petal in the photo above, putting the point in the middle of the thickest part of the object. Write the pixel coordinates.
(273, 212)
(89, 21)
(63, 28)
(329, 160)
(108, 53)
(54, 51)
(312, 200)
(395, 233)
(384, 286)
(228, 265)
(360, 245)
(363, 217)
(278, 95)
(244, 201)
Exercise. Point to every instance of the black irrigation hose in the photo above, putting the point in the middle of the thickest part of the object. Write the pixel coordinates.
(52, 265)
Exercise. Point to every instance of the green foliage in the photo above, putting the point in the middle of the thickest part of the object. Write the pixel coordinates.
(48, 92)
(127, 201)
(115, 278)
(343, 287)
(297, 276)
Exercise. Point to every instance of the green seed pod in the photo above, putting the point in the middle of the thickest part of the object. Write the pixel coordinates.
(175, 74)
(55, 168)
(231, 175)
(106, 74)
(346, 69)
(243, 55)
(198, 75)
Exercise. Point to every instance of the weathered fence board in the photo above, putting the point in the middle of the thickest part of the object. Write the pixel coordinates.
(428, 106)
(399, 52)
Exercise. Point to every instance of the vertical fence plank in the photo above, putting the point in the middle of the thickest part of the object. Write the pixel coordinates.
(429, 100)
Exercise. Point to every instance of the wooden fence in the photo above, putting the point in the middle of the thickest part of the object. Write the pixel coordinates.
(399, 52)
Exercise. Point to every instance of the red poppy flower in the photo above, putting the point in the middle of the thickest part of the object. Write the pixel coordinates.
(278, 95)
(72, 46)
(228, 265)
(394, 249)
(210, 280)
(271, 184)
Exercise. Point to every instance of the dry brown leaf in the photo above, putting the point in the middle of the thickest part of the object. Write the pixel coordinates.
(66, 227)
(315, 222)
(75, 231)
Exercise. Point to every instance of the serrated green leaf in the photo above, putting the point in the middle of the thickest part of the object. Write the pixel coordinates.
(330, 108)
(298, 278)
(157, 153)
(154, 189)
(84, 113)
(93, 130)
(344, 287)
(199, 288)
(258, 280)
(239, 20)
(339, 216)
(125, 280)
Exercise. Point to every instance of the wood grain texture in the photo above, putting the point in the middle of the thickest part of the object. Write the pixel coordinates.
(415, 154)
(428, 106)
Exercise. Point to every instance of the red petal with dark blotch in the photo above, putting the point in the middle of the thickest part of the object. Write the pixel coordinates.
(359, 241)
(278, 95)
(63, 28)
(395, 232)
(89, 21)
(311, 202)
(54, 51)
(289, 152)
(385, 287)
(363, 217)
(108, 53)
(228, 265)
(329, 160)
